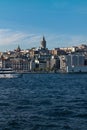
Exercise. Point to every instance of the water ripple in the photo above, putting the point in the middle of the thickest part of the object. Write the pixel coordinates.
(44, 102)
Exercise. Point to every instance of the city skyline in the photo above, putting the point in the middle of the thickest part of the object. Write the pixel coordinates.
(62, 22)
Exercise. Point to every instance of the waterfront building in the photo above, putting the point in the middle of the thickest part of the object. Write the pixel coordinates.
(40, 64)
(5, 62)
(48, 65)
(85, 61)
(63, 63)
(72, 63)
(32, 65)
(44, 56)
(54, 63)
(1, 64)
(20, 64)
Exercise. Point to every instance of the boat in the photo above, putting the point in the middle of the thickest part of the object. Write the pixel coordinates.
(9, 73)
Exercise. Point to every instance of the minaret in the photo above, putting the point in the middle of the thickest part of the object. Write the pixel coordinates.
(18, 49)
(43, 43)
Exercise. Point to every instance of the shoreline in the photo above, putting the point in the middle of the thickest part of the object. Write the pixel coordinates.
(52, 72)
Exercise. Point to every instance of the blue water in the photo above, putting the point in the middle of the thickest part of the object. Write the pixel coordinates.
(44, 102)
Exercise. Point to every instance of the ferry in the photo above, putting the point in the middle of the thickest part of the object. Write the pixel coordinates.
(9, 73)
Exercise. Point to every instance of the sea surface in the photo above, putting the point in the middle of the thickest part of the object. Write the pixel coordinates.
(44, 102)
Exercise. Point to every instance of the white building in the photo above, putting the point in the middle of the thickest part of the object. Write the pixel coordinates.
(72, 63)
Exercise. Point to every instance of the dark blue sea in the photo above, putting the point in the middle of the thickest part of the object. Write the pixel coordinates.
(44, 102)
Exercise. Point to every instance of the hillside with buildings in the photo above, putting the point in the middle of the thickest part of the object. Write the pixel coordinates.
(70, 59)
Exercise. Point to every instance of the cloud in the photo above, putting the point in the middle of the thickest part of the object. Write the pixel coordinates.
(65, 40)
(10, 39)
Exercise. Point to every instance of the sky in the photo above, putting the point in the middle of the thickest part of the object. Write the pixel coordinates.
(25, 22)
